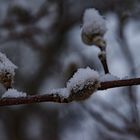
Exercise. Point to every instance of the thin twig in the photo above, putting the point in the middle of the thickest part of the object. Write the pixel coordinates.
(119, 83)
(59, 99)
(33, 99)
(102, 55)
(104, 63)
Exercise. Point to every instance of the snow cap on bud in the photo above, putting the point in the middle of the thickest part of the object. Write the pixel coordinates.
(83, 83)
(93, 28)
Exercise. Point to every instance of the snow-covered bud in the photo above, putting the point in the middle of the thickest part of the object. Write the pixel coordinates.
(7, 71)
(83, 83)
(93, 28)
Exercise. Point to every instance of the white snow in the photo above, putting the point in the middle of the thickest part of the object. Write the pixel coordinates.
(6, 65)
(13, 93)
(81, 78)
(61, 91)
(128, 77)
(108, 77)
(93, 22)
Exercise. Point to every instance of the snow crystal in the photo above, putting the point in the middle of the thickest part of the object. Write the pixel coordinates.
(13, 93)
(61, 91)
(128, 77)
(6, 65)
(108, 77)
(81, 78)
(93, 23)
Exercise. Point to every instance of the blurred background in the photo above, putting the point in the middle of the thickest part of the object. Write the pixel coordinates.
(42, 37)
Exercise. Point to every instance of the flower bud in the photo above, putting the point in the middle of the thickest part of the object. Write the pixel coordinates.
(93, 28)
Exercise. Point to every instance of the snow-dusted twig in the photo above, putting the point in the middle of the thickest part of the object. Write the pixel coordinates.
(58, 98)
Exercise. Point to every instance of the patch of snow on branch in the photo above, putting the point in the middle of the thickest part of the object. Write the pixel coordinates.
(13, 93)
(108, 77)
(81, 78)
(62, 92)
(6, 65)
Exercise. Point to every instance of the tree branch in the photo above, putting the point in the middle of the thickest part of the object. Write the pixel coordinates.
(119, 83)
(58, 98)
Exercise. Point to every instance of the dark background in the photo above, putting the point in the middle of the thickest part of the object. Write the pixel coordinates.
(43, 39)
